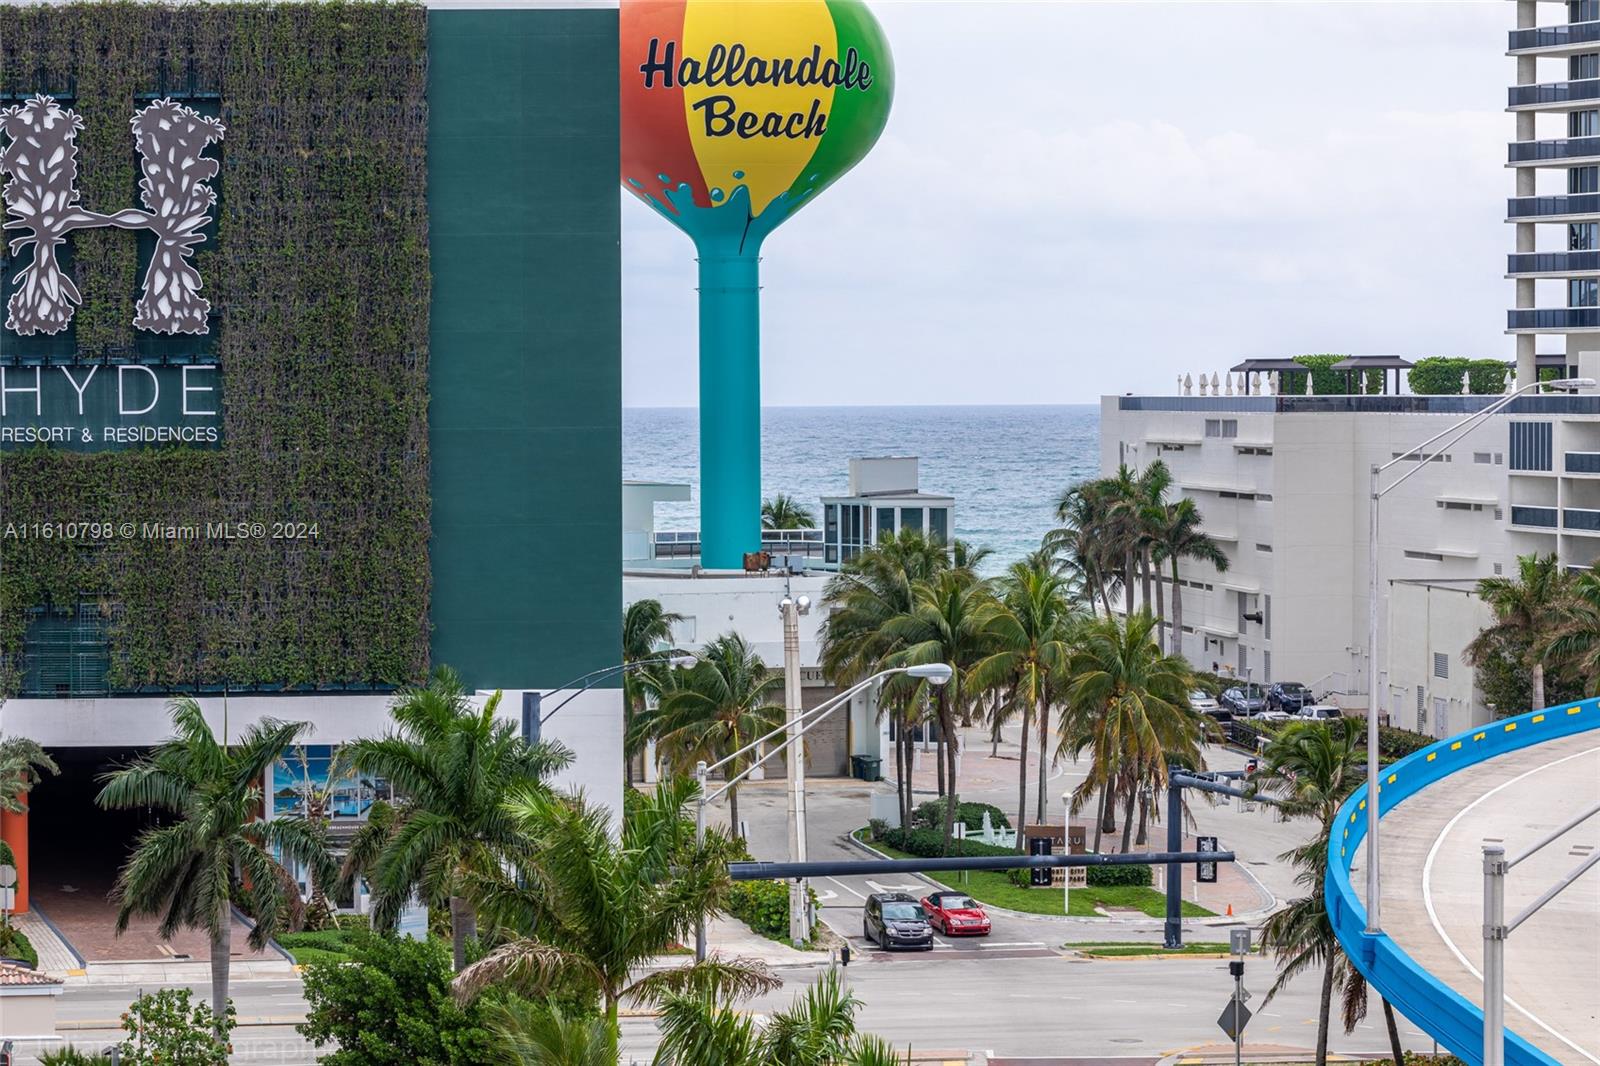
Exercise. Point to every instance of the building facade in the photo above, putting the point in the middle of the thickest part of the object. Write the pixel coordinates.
(1283, 485)
(408, 354)
(1555, 161)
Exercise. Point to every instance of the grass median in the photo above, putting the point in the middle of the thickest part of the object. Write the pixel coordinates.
(995, 887)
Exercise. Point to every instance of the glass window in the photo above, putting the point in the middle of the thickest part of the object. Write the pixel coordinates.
(1583, 292)
(885, 518)
(1583, 179)
(939, 523)
(911, 518)
(1583, 236)
(1213, 427)
(1584, 66)
(1583, 123)
(1583, 10)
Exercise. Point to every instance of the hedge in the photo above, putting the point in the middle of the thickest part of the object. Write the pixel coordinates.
(929, 844)
(1442, 376)
(1135, 876)
(15, 945)
(319, 279)
(930, 815)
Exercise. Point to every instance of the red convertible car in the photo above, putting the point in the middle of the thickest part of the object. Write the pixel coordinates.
(955, 914)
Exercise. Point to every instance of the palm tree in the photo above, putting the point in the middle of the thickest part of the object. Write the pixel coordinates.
(786, 512)
(948, 623)
(1526, 615)
(23, 764)
(1148, 514)
(1179, 536)
(539, 1034)
(588, 909)
(819, 1029)
(216, 852)
(1312, 767)
(715, 708)
(451, 765)
(1128, 705)
(1575, 637)
(869, 592)
(1029, 628)
(646, 634)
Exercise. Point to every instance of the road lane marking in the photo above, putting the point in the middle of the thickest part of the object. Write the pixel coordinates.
(847, 888)
(1433, 916)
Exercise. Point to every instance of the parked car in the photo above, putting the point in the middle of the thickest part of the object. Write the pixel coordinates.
(1271, 714)
(1289, 696)
(895, 920)
(955, 914)
(1322, 711)
(1202, 702)
(1245, 700)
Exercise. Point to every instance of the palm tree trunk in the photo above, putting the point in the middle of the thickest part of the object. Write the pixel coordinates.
(938, 754)
(1538, 686)
(1044, 758)
(221, 955)
(1127, 582)
(1144, 816)
(463, 927)
(1108, 806)
(1325, 1005)
(1394, 1034)
(1144, 576)
(910, 761)
(900, 766)
(733, 814)
(1105, 597)
(1161, 613)
(1177, 610)
(947, 737)
(1100, 820)
(1022, 770)
(1127, 820)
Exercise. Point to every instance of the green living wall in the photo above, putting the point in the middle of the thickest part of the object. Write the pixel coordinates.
(319, 280)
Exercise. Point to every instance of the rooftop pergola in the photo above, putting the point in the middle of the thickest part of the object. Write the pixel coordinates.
(1353, 365)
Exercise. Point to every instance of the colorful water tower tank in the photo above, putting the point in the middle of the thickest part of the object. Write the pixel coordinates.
(735, 114)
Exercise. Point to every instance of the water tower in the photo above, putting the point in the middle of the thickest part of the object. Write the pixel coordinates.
(735, 114)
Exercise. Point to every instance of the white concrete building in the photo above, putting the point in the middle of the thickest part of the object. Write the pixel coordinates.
(1282, 482)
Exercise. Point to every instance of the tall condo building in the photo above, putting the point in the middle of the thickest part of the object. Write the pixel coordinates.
(1556, 160)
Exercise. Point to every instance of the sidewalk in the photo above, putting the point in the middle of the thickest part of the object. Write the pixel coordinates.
(56, 956)
(187, 972)
(731, 939)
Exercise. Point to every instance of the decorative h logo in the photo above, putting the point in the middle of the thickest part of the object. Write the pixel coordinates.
(42, 200)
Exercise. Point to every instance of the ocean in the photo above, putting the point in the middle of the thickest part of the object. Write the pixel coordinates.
(1005, 466)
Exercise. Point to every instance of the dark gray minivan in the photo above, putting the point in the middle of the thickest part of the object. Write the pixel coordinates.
(895, 920)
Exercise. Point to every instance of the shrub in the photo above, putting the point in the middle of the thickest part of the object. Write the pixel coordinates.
(14, 945)
(1438, 375)
(764, 907)
(167, 1028)
(1397, 743)
(70, 1056)
(876, 828)
(1487, 377)
(323, 945)
(1120, 876)
(929, 844)
(391, 1005)
(1327, 381)
(930, 815)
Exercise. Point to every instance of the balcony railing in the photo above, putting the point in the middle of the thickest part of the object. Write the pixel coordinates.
(1585, 203)
(1552, 151)
(1583, 462)
(1554, 318)
(1562, 263)
(685, 543)
(1543, 517)
(1554, 92)
(1554, 36)
(1580, 518)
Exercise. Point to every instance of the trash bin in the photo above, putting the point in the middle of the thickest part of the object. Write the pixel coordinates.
(865, 767)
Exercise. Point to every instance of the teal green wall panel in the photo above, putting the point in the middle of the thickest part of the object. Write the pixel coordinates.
(525, 380)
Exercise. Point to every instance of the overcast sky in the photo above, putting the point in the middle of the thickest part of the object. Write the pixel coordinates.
(1075, 199)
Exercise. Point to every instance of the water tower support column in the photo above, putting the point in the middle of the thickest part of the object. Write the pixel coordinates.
(730, 409)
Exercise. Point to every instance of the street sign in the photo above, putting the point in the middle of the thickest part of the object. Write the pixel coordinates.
(1239, 941)
(1206, 872)
(1040, 876)
(8, 875)
(1235, 1016)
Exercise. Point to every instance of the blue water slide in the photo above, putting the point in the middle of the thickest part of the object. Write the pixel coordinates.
(1435, 1007)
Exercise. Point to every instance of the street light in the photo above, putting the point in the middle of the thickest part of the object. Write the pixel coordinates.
(933, 673)
(533, 722)
(1455, 432)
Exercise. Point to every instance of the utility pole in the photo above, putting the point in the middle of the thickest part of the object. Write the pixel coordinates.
(794, 756)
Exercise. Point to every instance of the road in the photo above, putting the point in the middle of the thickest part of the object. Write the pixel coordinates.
(1063, 1006)
(1433, 887)
(836, 808)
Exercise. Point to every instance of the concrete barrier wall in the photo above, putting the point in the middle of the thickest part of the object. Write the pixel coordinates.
(1445, 1014)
